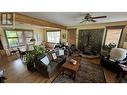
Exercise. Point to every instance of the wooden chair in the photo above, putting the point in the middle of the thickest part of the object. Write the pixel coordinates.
(22, 54)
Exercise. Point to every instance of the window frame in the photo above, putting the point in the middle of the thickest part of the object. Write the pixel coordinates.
(52, 31)
(23, 31)
(114, 27)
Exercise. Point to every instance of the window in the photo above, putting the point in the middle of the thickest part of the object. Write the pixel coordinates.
(113, 35)
(12, 38)
(17, 38)
(53, 36)
(28, 35)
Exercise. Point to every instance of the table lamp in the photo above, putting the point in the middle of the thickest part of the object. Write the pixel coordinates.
(33, 40)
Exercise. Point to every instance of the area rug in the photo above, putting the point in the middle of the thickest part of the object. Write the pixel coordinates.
(88, 73)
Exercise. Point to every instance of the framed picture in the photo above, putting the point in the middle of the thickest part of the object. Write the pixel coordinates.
(6, 18)
(64, 36)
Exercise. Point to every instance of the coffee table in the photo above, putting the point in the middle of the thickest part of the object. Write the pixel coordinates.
(71, 68)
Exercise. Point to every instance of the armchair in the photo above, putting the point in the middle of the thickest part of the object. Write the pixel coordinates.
(73, 50)
(117, 56)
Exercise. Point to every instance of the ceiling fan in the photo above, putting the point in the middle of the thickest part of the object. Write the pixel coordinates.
(89, 18)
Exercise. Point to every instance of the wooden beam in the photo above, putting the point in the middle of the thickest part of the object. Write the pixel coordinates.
(35, 21)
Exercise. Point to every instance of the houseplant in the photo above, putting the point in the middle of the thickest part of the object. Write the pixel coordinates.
(109, 46)
(31, 56)
(38, 50)
(30, 61)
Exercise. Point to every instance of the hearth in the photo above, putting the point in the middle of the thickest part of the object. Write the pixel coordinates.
(88, 51)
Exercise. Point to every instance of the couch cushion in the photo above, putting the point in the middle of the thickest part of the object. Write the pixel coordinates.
(62, 57)
(45, 60)
(53, 65)
(61, 52)
(49, 55)
(58, 60)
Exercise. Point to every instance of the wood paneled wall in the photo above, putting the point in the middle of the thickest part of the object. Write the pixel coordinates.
(35, 21)
(72, 36)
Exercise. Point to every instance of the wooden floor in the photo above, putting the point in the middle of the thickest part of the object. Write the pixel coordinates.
(16, 72)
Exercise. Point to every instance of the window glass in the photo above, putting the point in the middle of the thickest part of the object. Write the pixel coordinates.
(28, 41)
(18, 37)
(11, 34)
(13, 42)
(28, 34)
(53, 36)
(113, 36)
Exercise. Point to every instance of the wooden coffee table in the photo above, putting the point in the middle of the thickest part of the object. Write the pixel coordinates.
(71, 68)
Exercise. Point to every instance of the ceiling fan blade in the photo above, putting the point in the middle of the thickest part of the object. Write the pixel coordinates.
(83, 21)
(99, 17)
(93, 20)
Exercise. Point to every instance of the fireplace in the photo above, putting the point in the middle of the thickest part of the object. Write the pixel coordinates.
(90, 41)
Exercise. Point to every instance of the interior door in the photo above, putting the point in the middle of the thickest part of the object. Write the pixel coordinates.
(72, 36)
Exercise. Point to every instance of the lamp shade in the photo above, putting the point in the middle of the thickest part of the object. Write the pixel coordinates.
(125, 45)
(32, 40)
(67, 43)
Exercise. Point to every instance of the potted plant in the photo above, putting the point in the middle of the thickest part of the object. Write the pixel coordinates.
(30, 61)
(38, 50)
(109, 46)
(31, 57)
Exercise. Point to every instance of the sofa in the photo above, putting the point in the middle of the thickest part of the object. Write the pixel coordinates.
(47, 65)
(111, 62)
(2, 77)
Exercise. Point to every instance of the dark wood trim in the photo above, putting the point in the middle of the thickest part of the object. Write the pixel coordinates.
(1, 44)
(72, 29)
(91, 29)
(120, 37)
(6, 38)
(116, 27)
(52, 30)
(18, 29)
(104, 38)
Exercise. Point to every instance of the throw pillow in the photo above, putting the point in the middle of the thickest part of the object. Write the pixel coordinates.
(61, 52)
(54, 56)
(45, 60)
